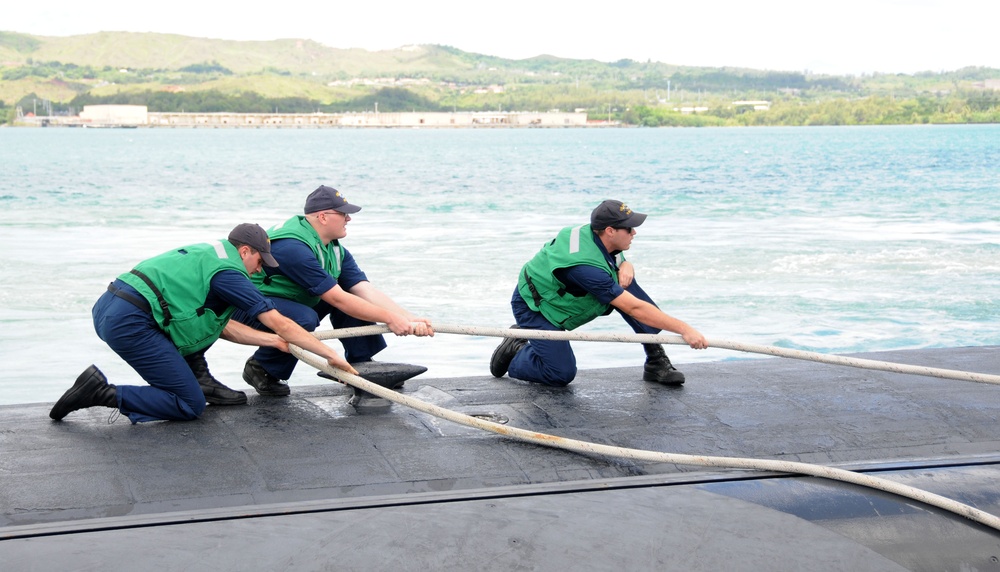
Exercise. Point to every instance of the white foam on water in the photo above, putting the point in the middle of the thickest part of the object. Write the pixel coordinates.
(832, 240)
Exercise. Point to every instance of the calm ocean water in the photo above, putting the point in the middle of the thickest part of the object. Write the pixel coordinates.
(828, 239)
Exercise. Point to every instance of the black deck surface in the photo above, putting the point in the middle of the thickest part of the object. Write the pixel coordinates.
(309, 482)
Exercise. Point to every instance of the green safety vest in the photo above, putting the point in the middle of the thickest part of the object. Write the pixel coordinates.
(176, 285)
(329, 256)
(573, 246)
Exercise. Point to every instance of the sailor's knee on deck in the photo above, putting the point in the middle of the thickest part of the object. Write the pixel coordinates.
(197, 407)
(559, 374)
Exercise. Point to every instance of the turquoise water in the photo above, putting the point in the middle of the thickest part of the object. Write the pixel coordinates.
(827, 239)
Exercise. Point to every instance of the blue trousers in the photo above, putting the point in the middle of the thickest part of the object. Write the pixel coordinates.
(173, 392)
(281, 364)
(553, 362)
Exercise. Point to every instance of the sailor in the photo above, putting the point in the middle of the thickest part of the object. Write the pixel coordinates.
(167, 311)
(580, 275)
(317, 277)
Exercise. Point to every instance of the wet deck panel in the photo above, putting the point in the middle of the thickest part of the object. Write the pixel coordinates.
(404, 480)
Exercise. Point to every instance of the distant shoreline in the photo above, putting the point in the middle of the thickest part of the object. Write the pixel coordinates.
(133, 116)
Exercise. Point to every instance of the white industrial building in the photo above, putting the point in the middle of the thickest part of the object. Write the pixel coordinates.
(114, 115)
(139, 116)
(370, 119)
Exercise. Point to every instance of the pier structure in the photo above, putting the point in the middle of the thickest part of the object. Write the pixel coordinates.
(139, 116)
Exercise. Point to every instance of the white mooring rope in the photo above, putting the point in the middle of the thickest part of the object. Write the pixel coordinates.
(585, 447)
(677, 340)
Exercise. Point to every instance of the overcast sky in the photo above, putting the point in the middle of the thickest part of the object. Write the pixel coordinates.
(845, 37)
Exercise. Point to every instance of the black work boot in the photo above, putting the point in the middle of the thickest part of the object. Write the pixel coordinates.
(263, 382)
(658, 368)
(215, 392)
(504, 354)
(90, 389)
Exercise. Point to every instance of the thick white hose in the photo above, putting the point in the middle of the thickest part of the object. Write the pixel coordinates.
(585, 447)
(672, 339)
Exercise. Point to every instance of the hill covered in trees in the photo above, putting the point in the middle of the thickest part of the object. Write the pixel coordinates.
(59, 75)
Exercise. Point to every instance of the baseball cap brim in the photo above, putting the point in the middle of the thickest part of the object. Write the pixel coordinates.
(268, 260)
(634, 220)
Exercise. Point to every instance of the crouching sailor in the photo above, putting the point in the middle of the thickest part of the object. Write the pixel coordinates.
(319, 277)
(578, 276)
(161, 316)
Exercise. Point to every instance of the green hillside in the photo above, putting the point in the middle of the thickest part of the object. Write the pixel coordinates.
(170, 72)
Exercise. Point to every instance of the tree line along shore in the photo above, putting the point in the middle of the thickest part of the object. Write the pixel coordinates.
(42, 76)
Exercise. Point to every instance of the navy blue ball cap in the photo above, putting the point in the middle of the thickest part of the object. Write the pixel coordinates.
(254, 236)
(615, 214)
(328, 199)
